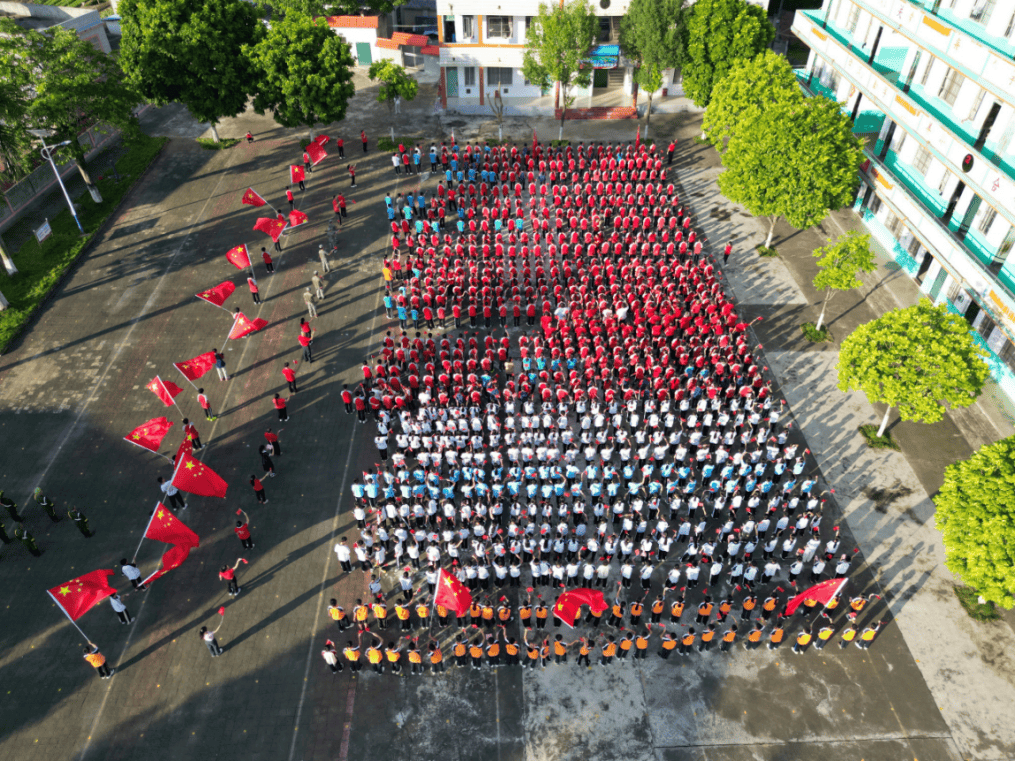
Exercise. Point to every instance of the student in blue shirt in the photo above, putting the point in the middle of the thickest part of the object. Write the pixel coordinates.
(389, 304)
(391, 213)
(416, 158)
(403, 315)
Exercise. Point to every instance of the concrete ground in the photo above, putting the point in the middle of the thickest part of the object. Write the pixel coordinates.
(936, 686)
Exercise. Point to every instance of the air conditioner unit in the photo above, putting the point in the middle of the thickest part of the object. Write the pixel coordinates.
(468, 91)
(505, 91)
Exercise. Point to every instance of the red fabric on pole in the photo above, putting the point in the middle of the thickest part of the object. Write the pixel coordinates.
(452, 594)
(79, 595)
(822, 593)
(322, 140)
(149, 435)
(195, 477)
(243, 326)
(218, 294)
(238, 257)
(296, 218)
(251, 198)
(164, 390)
(316, 153)
(637, 138)
(166, 527)
(296, 174)
(270, 226)
(171, 558)
(193, 369)
(569, 604)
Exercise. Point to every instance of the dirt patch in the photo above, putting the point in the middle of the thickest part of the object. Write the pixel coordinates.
(884, 497)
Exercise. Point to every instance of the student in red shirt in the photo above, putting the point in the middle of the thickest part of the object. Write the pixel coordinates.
(347, 399)
(228, 574)
(243, 530)
(304, 341)
(341, 148)
(258, 489)
(205, 404)
(268, 264)
(273, 442)
(283, 413)
(190, 433)
(290, 377)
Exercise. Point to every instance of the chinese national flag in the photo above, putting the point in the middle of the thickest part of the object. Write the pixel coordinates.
(251, 198)
(316, 152)
(166, 527)
(218, 294)
(534, 142)
(243, 326)
(569, 604)
(195, 477)
(79, 595)
(296, 218)
(637, 138)
(322, 140)
(452, 594)
(164, 390)
(270, 226)
(822, 593)
(296, 174)
(149, 435)
(238, 257)
(194, 368)
(171, 558)
(186, 447)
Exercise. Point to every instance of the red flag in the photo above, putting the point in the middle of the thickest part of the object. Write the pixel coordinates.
(218, 294)
(164, 390)
(197, 478)
(251, 198)
(149, 435)
(171, 558)
(296, 218)
(186, 447)
(452, 594)
(822, 593)
(534, 141)
(322, 140)
(270, 226)
(194, 368)
(78, 596)
(296, 174)
(238, 257)
(242, 326)
(166, 527)
(316, 153)
(637, 138)
(569, 604)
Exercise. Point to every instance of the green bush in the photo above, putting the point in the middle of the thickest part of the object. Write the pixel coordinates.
(226, 142)
(813, 334)
(764, 251)
(41, 266)
(870, 434)
(970, 600)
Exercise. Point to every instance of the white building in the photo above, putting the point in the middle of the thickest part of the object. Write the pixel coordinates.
(931, 86)
(85, 22)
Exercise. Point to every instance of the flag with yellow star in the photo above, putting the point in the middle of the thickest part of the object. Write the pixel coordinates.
(452, 594)
(194, 477)
(244, 326)
(238, 257)
(171, 558)
(193, 369)
(166, 527)
(79, 595)
(218, 294)
(164, 390)
(149, 435)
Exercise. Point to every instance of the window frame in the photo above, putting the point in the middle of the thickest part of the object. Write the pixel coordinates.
(468, 27)
(503, 23)
(468, 73)
(951, 85)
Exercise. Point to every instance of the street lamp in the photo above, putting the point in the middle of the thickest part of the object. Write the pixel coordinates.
(47, 153)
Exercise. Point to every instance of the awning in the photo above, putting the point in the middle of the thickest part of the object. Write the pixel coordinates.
(604, 57)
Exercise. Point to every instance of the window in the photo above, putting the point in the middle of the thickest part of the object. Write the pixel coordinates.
(986, 220)
(894, 225)
(498, 27)
(469, 76)
(677, 76)
(950, 87)
(854, 17)
(921, 161)
(528, 24)
(498, 76)
(944, 182)
(1011, 25)
(926, 72)
(468, 27)
(975, 106)
(981, 11)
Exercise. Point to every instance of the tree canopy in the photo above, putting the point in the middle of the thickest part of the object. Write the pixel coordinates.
(976, 517)
(395, 82)
(749, 88)
(15, 141)
(839, 265)
(652, 32)
(798, 161)
(718, 34)
(331, 7)
(191, 52)
(303, 72)
(556, 49)
(920, 359)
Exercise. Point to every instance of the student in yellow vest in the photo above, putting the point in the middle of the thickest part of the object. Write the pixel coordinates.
(380, 611)
(825, 633)
(677, 610)
(423, 613)
(442, 615)
(436, 657)
(337, 613)
(511, 651)
(704, 611)
(352, 654)
(531, 652)
(768, 607)
(849, 635)
(493, 649)
(777, 634)
(403, 614)
(803, 641)
(669, 644)
(98, 661)
(707, 638)
(503, 614)
(626, 645)
(728, 638)
(641, 643)
(488, 614)
(525, 613)
(374, 654)
(415, 659)
(868, 635)
(461, 650)
(747, 607)
(584, 650)
(658, 606)
(393, 653)
(559, 649)
(476, 653)
(542, 612)
(609, 650)
(754, 636)
(687, 641)
(475, 613)
(635, 611)
(829, 610)
(359, 615)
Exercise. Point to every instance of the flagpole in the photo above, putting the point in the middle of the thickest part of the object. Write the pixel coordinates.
(235, 318)
(198, 295)
(837, 591)
(147, 449)
(144, 535)
(73, 622)
(175, 471)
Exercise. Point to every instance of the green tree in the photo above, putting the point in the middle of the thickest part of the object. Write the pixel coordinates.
(918, 359)
(976, 517)
(797, 161)
(15, 142)
(331, 7)
(556, 49)
(749, 89)
(839, 265)
(718, 34)
(652, 35)
(75, 87)
(395, 83)
(303, 72)
(191, 52)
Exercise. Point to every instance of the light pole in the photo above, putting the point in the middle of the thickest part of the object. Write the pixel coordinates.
(47, 153)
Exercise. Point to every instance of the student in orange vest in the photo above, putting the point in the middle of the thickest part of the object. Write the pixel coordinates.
(687, 641)
(626, 645)
(511, 651)
(677, 609)
(707, 638)
(858, 604)
(754, 636)
(829, 610)
(635, 611)
(825, 633)
(542, 612)
(868, 635)
(669, 644)
(337, 614)
(476, 613)
(849, 635)
(380, 611)
(393, 652)
(747, 607)
(777, 634)
(488, 614)
(728, 638)
(704, 611)
(503, 613)
(352, 653)
(525, 613)
(98, 661)
(493, 649)
(374, 654)
(559, 649)
(584, 649)
(423, 613)
(544, 652)
(609, 650)
(359, 615)
(461, 650)
(641, 643)
(803, 640)
(442, 615)
(658, 606)
(415, 658)
(403, 614)
(476, 653)
(724, 609)
(531, 652)
(436, 657)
